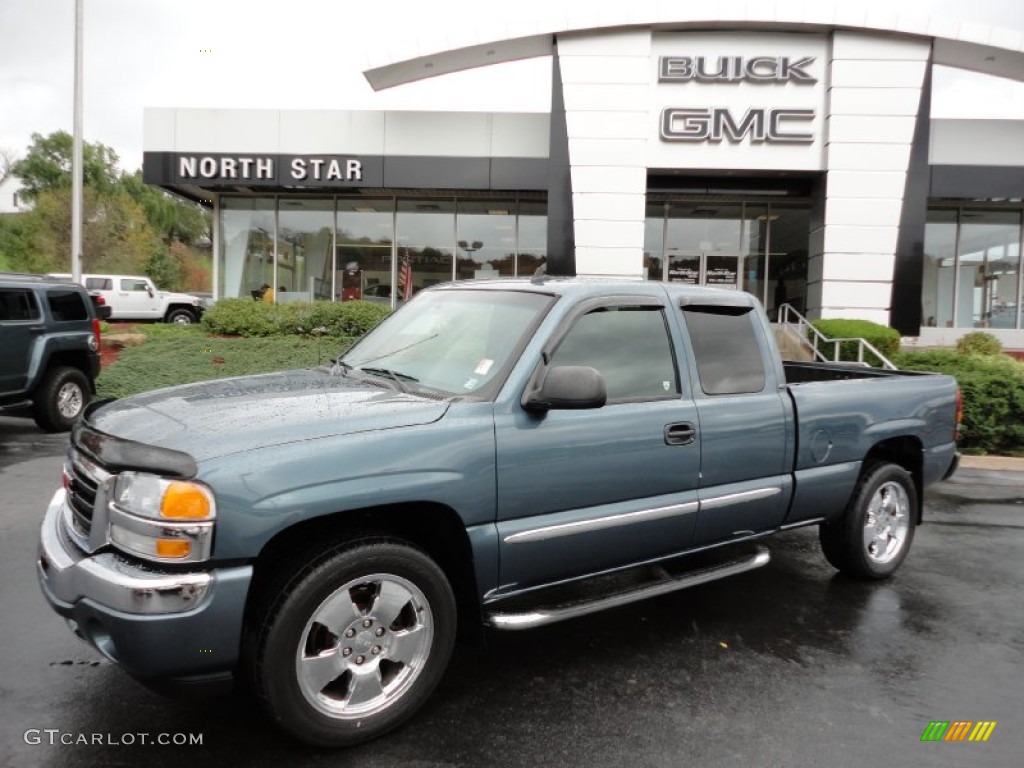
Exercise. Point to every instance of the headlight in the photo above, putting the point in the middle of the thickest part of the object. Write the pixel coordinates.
(162, 519)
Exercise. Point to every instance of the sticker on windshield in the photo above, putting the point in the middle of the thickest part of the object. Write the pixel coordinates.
(470, 383)
(483, 366)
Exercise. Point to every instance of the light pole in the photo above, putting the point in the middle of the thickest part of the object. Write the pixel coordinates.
(470, 248)
(76, 155)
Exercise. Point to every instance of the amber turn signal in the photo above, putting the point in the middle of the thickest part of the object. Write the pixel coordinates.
(173, 547)
(184, 501)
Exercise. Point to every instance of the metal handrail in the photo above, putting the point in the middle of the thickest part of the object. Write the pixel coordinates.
(799, 327)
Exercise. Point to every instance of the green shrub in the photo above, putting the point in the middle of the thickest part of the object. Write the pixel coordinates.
(245, 317)
(883, 338)
(993, 392)
(979, 343)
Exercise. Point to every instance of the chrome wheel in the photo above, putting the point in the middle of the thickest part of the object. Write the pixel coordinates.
(69, 400)
(364, 646)
(887, 522)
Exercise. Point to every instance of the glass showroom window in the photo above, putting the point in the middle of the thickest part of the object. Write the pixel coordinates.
(938, 277)
(531, 236)
(305, 231)
(654, 241)
(247, 245)
(426, 240)
(990, 265)
(363, 257)
(485, 239)
(972, 274)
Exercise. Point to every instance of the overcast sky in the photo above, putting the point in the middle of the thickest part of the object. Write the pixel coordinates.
(311, 54)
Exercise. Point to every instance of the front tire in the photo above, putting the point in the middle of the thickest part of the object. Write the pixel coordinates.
(874, 536)
(60, 399)
(181, 317)
(355, 643)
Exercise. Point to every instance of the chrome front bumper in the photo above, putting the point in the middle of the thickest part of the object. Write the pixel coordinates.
(68, 574)
(161, 626)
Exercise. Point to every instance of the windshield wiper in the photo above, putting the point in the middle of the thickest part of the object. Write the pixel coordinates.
(395, 376)
(416, 343)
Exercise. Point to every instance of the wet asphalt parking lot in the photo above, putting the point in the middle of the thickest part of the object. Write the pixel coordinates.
(790, 665)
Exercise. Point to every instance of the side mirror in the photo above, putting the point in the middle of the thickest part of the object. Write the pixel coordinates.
(569, 387)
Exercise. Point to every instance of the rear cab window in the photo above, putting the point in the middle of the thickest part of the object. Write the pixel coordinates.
(725, 345)
(67, 305)
(18, 305)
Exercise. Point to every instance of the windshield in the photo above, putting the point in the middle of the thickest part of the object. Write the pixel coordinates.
(456, 341)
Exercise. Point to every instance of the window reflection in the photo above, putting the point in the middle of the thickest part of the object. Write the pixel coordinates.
(937, 281)
(532, 235)
(971, 272)
(379, 245)
(304, 239)
(247, 245)
(425, 251)
(363, 257)
(989, 262)
(486, 239)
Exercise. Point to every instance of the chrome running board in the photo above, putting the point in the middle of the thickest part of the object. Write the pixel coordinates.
(541, 615)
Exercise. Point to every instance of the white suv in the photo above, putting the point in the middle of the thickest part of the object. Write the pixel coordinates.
(134, 297)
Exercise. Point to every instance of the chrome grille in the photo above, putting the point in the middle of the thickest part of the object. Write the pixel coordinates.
(84, 478)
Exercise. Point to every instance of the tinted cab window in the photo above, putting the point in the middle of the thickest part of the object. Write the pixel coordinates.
(67, 305)
(629, 346)
(17, 304)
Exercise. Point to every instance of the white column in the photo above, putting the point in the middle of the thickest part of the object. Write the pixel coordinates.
(606, 82)
(874, 95)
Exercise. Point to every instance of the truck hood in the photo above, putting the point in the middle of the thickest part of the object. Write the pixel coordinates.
(183, 297)
(216, 418)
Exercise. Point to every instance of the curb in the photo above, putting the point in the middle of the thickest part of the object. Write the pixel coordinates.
(1004, 463)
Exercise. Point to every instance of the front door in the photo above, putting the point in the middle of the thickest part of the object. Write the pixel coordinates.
(136, 300)
(719, 270)
(583, 491)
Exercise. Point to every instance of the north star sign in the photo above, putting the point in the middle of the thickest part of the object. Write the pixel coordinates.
(714, 124)
(257, 168)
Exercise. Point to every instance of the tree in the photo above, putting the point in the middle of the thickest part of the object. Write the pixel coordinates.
(173, 218)
(47, 165)
(7, 161)
(116, 236)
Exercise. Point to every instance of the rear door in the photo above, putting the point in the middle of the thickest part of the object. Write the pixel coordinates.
(20, 324)
(583, 491)
(744, 419)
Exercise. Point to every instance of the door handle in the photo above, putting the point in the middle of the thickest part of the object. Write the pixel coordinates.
(682, 433)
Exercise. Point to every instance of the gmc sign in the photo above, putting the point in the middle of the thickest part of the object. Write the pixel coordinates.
(715, 124)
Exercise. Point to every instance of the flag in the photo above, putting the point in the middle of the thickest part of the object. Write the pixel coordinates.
(405, 279)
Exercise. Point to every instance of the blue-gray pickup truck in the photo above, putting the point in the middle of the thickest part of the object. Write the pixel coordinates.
(498, 454)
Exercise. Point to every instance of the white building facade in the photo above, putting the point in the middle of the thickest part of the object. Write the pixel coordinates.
(791, 157)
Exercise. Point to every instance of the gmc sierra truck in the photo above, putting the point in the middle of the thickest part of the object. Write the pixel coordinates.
(499, 454)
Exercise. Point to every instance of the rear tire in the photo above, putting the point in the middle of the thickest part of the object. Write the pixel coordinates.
(352, 645)
(60, 398)
(874, 535)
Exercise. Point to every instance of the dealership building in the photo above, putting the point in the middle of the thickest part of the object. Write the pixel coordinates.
(787, 153)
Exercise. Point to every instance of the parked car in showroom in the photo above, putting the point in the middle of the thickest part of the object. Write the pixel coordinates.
(49, 348)
(135, 297)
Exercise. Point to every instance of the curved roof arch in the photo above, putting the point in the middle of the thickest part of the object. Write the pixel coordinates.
(995, 47)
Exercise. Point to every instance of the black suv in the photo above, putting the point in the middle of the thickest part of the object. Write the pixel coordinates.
(49, 348)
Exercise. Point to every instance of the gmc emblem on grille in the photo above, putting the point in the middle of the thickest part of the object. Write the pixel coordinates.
(714, 124)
